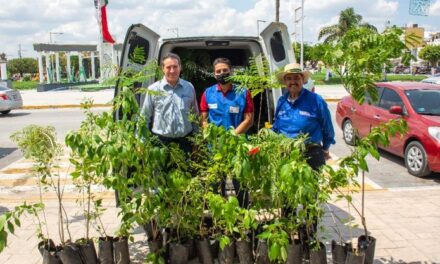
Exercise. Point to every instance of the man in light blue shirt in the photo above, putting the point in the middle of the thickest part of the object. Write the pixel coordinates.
(167, 111)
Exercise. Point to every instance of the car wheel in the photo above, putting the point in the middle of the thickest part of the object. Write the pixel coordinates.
(348, 132)
(416, 160)
(5, 112)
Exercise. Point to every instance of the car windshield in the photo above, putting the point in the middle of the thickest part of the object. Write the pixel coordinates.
(425, 102)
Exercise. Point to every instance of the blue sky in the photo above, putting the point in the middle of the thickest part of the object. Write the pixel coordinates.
(25, 22)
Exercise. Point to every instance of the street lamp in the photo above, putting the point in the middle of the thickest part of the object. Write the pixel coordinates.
(258, 25)
(174, 30)
(54, 33)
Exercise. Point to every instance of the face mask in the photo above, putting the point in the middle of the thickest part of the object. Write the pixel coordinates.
(221, 78)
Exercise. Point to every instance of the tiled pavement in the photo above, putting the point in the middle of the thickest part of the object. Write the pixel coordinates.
(405, 222)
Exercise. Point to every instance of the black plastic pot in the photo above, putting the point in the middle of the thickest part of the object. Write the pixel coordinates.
(227, 254)
(339, 252)
(178, 254)
(105, 250)
(355, 259)
(262, 253)
(71, 254)
(192, 251)
(204, 251)
(46, 245)
(88, 251)
(244, 251)
(50, 257)
(294, 252)
(318, 256)
(215, 248)
(154, 245)
(368, 247)
(120, 250)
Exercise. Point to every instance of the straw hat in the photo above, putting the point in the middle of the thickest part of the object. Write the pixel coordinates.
(293, 68)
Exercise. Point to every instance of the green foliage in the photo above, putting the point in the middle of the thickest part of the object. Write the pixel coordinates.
(22, 66)
(277, 240)
(359, 56)
(11, 219)
(430, 53)
(39, 144)
(138, 55)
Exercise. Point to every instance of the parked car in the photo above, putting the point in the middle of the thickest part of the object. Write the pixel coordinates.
(417, 103)
(273, 43)
(9, 100)
(401, 69)
(432, 79)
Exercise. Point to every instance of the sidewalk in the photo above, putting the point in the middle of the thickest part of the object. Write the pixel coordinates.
(405, 222)
(64, 99)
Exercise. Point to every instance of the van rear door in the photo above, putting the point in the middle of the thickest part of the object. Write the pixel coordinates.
(139, 39)
(278, 50)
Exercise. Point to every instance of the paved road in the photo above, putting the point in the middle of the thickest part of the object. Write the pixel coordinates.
(62, 119)
(389, 171)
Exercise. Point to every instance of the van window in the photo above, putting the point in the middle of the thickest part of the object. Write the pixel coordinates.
(277, 47)
(139, 50)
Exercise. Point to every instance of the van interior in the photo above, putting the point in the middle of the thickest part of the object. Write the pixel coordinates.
(197, 58)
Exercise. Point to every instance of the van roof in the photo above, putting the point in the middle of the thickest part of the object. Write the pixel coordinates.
(205, 38)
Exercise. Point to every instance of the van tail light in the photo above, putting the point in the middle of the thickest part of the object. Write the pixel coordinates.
(4, 97)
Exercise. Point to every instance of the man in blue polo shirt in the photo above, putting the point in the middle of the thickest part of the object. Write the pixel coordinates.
(300, 111)
(224, 104)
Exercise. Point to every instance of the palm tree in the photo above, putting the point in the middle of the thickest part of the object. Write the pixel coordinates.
(277, 10)
(348, 19)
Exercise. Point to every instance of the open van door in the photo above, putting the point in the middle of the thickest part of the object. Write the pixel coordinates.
(278, 50)
(143, 40)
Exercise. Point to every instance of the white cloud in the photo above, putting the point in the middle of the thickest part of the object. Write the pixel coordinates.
(435, 9)
(25, 22)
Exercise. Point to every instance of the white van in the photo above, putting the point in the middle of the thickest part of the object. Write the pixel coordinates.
(274, 43)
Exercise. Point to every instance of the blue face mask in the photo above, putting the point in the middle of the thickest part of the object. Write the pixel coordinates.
(222, 78)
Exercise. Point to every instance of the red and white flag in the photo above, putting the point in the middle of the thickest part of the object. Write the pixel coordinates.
(102, 20)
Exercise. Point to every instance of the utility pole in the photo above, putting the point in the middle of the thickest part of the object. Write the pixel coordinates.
(20, 50)
(277, 10)
(302, 34)
(295, 23)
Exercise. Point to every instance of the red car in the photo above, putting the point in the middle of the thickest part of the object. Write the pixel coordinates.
(417, 103)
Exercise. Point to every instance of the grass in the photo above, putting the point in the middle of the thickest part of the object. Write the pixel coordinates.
(24, 85)
(93, 87)
(319, 78)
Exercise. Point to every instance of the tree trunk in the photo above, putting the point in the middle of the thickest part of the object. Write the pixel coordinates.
(277, 10)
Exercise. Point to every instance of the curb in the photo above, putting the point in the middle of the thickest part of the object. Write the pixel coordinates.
(30, 107)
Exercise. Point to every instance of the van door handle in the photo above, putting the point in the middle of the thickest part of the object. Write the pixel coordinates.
(377, 117)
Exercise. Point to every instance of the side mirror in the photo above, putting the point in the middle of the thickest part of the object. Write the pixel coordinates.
(397, 110)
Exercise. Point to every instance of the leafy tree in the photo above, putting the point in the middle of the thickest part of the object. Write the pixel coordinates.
(431, 54)
(348, 19)
(297, 50)
(23, 65)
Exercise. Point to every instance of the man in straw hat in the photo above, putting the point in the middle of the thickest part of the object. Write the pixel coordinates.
(300, 111)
